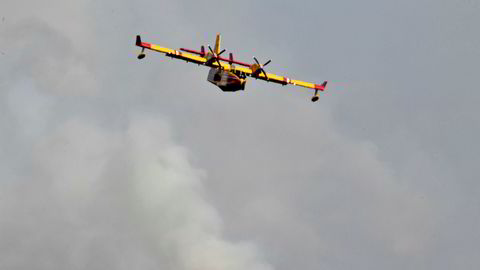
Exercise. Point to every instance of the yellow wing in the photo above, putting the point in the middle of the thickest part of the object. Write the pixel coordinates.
(280, 79)
(170, 52)
(180, 55)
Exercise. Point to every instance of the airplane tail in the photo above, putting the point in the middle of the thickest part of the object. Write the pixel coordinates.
(217, 44)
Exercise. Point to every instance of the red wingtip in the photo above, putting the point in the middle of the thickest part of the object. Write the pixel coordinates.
(140, 43)
(322, 86)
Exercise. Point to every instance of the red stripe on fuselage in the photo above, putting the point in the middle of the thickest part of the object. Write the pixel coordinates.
(220, 58)
(191, 51)
(235, 62)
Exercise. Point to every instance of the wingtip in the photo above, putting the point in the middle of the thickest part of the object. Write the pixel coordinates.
(138, 41)
(322, 86)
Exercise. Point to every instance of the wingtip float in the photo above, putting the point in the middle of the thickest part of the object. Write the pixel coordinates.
(228, 74)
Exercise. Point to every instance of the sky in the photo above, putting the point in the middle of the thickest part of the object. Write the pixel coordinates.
(108, 162)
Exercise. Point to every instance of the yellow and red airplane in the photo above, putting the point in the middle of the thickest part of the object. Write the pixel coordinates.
(227, 73)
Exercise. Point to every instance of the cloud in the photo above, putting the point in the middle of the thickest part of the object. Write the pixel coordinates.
(35, 50)
(99, 198)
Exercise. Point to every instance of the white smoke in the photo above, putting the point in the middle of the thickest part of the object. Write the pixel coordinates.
(78, 192)
(90, 197)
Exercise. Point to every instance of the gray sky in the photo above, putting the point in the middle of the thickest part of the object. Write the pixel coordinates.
(110, 162)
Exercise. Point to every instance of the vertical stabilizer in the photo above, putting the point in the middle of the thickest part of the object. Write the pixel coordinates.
(217, 44)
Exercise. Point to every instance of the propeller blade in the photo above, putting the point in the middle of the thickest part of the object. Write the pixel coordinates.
(221, 52)
(264, 73)
(256, 60)
(210, 48)
(268, 62)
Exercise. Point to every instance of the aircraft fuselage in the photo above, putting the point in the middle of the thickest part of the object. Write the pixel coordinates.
(226, 80)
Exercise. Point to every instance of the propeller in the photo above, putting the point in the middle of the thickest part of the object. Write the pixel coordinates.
(215, 56)
(260, 69)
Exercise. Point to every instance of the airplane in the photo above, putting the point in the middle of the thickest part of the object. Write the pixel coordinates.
(228, 74)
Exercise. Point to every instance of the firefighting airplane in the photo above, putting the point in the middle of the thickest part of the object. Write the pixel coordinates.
(228, 74)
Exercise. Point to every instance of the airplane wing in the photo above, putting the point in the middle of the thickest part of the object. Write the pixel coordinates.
(198, 59)
(281, 79)
(189, 57)
(170, 52)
